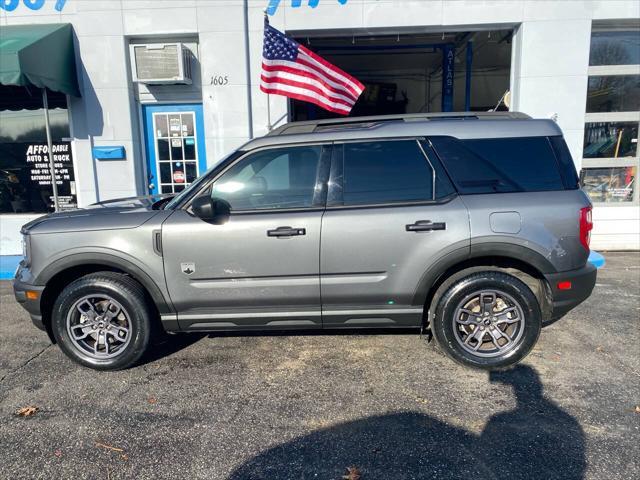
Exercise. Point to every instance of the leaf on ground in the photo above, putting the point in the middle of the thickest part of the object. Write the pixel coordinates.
(353, 473)
(109, 447)
(27, 411)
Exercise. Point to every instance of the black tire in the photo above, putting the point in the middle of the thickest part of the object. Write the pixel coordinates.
(449, 338)
(131, 297)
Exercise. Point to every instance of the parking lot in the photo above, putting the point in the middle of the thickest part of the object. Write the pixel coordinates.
(368, 406)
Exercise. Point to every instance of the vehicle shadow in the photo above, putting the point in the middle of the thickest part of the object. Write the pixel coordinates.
(166, 345)
(536, 439)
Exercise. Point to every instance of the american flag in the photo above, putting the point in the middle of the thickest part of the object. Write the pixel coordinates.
(292, 70)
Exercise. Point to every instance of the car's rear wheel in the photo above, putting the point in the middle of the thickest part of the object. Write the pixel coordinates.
(487, 320)
(102, 321)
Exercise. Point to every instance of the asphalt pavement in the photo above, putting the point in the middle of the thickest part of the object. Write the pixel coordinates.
(354, 406)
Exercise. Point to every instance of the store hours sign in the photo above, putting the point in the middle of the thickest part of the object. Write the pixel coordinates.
(39, 173)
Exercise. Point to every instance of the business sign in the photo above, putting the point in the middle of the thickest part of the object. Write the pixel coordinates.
(37, 161)
(58, 5)
(448, 66)
(11, 5)
(25, 177)
(178, 176)
(272, 7)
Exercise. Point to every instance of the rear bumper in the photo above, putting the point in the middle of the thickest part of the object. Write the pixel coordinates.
(582, 282)
(32, 306)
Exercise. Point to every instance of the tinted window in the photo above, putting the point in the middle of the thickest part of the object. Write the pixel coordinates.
(500, 164)
(275, 178)
(610, 139)
(444, 187)
(613, 93)
(567, 167)
(385, 172)
(615, 48)
(609, 184)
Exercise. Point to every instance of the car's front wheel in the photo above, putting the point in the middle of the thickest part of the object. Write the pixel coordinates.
(487, 320)
(102, 321)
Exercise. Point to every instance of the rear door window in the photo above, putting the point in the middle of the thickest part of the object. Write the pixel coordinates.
(525, 164)
(385, 172)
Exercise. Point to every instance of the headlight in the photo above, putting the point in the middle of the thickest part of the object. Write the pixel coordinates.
(26, 249)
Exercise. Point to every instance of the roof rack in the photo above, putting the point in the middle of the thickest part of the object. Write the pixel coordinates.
(374, 121)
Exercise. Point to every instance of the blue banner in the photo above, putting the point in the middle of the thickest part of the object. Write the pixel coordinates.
(448, 66)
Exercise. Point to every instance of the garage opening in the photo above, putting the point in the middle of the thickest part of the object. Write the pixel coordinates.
(417, 73)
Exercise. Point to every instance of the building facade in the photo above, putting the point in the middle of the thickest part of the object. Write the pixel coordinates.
(134, 131)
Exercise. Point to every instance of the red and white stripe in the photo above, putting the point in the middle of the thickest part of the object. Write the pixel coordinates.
(311, 79)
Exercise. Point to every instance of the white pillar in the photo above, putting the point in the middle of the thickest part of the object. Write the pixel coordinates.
(549, 74)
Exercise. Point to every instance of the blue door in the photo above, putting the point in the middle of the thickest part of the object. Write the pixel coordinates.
(174, 138)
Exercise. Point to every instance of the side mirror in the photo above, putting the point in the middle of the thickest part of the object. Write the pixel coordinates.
(212, 210)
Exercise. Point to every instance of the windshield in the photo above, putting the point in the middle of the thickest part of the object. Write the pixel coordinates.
(195, 186)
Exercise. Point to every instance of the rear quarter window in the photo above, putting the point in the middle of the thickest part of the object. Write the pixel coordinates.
(567, 167)
(494, 165)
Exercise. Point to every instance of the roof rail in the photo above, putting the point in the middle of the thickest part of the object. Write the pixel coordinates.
(371, 121)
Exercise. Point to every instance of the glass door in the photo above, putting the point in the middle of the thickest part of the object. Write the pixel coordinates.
(174, 146)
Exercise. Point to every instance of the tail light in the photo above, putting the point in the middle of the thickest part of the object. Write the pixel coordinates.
(586, 225)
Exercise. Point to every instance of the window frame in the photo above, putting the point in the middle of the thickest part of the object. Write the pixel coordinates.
(320, 189)
(335, 185)
(613, 117)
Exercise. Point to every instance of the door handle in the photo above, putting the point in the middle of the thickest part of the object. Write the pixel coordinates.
(425, 226)
(286, 232)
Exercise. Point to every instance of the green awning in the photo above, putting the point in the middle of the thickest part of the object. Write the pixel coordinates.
(40, 56)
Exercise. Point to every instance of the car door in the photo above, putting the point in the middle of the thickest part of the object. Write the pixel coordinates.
(391, 214)
(261, 267)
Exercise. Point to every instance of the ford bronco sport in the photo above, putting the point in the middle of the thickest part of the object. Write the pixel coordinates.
(469, 226)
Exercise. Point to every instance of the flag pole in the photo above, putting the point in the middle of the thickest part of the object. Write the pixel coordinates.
(269, 126)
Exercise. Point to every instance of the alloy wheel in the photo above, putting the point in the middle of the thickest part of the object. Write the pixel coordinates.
(99, 326)
(488, 323)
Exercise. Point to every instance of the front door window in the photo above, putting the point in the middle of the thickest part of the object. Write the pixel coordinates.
(276, 178)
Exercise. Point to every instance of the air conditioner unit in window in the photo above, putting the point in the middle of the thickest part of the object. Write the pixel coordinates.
(161, 63)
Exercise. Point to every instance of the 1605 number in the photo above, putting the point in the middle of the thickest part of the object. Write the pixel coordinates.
(220, 80)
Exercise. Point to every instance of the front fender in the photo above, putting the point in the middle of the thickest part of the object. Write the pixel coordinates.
(119, 261)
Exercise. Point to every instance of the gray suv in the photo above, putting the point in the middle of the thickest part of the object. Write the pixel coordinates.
(471, 227)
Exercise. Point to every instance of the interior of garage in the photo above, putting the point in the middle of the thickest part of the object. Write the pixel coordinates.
(417, 73)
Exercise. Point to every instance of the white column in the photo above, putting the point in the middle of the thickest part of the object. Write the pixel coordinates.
(549, 74)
